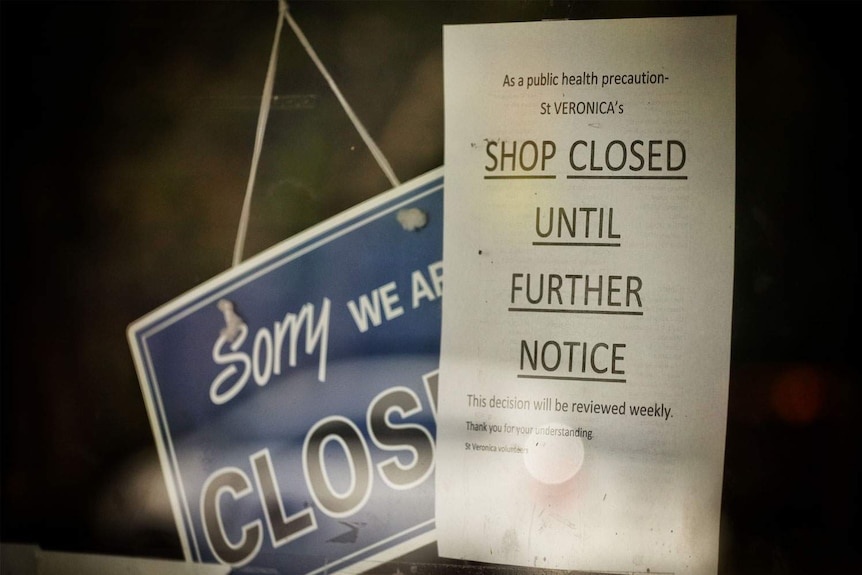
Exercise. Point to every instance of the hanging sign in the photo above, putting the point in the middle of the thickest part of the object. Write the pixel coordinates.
(588, 242)
(293, 397)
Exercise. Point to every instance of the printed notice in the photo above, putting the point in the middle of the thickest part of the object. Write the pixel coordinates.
(588, 244)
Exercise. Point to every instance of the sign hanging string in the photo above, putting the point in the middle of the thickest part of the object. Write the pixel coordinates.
(375, 151)
(266, 100)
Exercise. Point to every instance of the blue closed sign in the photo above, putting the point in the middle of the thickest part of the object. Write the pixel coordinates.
(293, 397)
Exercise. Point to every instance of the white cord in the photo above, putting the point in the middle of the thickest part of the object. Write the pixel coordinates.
(266, 100)
(375, 151)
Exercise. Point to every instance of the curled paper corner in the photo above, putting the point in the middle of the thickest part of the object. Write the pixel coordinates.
(412, 219)
(233, 323)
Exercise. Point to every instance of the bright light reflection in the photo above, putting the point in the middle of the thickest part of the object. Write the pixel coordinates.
(553, 459)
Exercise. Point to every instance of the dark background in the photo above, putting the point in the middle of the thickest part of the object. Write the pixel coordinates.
(127, 134)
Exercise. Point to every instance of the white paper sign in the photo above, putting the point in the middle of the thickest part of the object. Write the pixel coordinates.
(588, 244)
